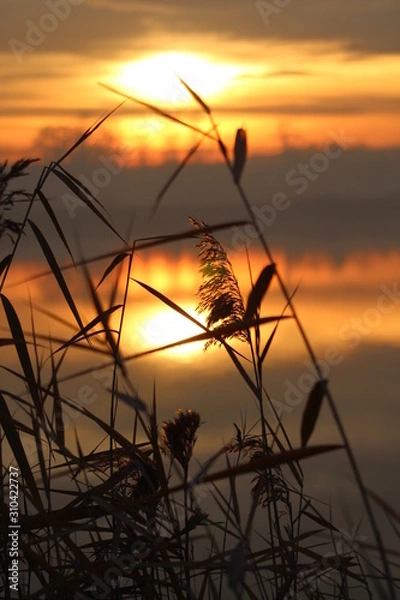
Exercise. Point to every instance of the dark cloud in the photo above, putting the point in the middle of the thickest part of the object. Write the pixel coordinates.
(318, 106)
(107, 29)
(360, 26)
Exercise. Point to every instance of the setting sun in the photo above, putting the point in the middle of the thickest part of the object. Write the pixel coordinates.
(164, 326)
(156, 77)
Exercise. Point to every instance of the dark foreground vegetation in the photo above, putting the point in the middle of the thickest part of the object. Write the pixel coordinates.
(125, 520)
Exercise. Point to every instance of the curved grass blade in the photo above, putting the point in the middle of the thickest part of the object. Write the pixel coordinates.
(171, 304)
(220, 333)
(264, 462)
(132, 401)
(141, 244)
(271, 337)
(311, 410)
(55, 222)
(196, 97)
(80, 187)
(325, 524)
(56, 271)
(5, 263)
(175, 174)
(79, 190)
(104, 318)
(22, 351)
(89, 132)
(231, 328)
(82, 334)
(16, 446)
(115, 262)
(156, 110)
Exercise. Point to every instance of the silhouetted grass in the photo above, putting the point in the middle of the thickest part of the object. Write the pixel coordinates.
(125, 520)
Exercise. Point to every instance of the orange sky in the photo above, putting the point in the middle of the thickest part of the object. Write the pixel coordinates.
(278, 108)
(283, 93)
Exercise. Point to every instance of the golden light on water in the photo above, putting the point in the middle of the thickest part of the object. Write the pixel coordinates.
(158, 327)
(340, 304)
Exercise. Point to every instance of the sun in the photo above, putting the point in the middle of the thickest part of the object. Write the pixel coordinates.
(158, 328)
(155, 78)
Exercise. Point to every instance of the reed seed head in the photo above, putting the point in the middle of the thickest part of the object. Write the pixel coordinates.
(179, 436)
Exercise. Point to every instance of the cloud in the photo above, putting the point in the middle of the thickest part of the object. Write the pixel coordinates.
(99, 28)
(288, 73)
(366, 104)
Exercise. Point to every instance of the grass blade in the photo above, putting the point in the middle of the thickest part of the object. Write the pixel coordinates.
(83, 332)
(170, 303)
(259, 289)
(47, 251)
(57, 408)
(89, 132)
(5, 263)
(265, 462)
(132, 401)
(175, 174)
(55, 222)
(19, 452)
(311, 411)
(240, 154)
(196, 97)
(115, 262)
(22, 351)
(7, 341)
(156, 110)
(83, 194)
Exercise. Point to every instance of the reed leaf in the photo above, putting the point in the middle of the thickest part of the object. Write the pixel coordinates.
(5, 262)
(132, 401)
(55, 269)
(311, 410)
(16, 446)
(175, 174)
(240, 154)
(156, 110)
(259, 290)
(55, 222)
(265, 462)
(115, 262)
(89, 131)
(84, 194)
(22, 351)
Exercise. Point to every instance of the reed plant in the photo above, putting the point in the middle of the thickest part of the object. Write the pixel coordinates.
(125, 520)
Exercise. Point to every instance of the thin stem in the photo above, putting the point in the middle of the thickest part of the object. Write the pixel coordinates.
(331, 402)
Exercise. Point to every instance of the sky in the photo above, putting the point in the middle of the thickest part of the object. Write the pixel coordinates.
(288, 74)
(316, 86)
